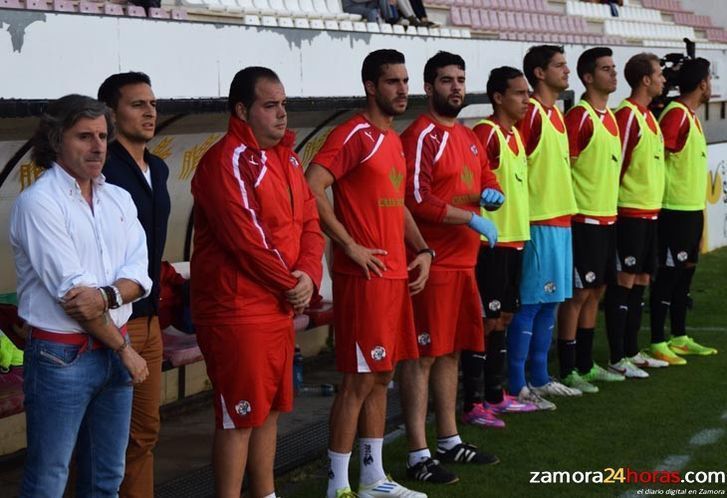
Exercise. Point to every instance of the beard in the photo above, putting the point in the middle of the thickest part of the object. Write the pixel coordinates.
(444, 108)
(387, 106)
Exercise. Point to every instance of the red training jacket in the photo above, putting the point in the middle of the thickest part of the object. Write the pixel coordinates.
(255, 222)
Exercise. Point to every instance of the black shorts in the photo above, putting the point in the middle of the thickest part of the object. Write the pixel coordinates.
(594, 254)
(636, 246)
(680, 235)
(498, 279)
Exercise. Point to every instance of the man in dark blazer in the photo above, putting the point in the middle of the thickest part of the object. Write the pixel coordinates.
(131, 166)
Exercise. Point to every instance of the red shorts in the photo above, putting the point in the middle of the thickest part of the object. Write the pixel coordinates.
(448, 314)
(251, 370)
(373, 323)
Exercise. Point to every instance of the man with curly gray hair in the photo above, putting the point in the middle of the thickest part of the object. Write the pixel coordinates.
(79, 248)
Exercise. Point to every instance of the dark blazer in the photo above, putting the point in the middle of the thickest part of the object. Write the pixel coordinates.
(153, 206)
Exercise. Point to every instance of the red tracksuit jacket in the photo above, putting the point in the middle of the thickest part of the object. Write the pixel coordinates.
(255, 222)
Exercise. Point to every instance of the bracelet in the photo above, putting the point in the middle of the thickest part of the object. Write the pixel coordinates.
(427, 250)
(109, 296)
(118, 300)
(121, 348)
(105, 300)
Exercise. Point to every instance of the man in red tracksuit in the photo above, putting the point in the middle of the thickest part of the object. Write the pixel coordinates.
(256, 261)
(448, 176)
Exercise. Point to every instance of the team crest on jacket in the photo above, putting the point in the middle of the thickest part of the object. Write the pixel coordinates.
(294, 161)
(467, 176)
(396, 177)
(474, 150)
(243, 408)
(424, 339)
(378, 353)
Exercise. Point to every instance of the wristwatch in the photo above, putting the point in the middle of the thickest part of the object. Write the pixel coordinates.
(114, 296)
(427, 250)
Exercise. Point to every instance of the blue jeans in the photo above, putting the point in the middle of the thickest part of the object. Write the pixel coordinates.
(78, 399)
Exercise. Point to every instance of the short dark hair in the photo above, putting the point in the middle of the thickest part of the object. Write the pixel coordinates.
(638, 67)
(242, 88)
(691, 73)
(440, 60)
(110, 90)
(539, 56)
(373, 64)
(59, 116)
(499, 81)
(588, 59)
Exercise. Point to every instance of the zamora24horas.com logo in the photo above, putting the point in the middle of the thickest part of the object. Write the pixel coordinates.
(626, 475)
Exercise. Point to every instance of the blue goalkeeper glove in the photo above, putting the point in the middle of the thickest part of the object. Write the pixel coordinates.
(491, 199)
(485, 227)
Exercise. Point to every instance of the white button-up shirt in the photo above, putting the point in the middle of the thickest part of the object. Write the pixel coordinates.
(60, 243)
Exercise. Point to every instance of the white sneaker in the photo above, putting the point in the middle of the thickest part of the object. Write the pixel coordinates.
(387, 487)
(643, 360)
(554, 388)
(527, 396)
(628, 369)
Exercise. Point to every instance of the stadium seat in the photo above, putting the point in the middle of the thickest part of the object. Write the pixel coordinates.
(37, 5)
(135, 11)
(85, 7)
(179, 348)
(466, 20)
(321, 10)
(159, 13)
(279, 7)
(306, 6)
(293, 7)
(179, 14)
(230, 6)
(334, 7)
(11, 392)
(64, 6)
(455, 16)
(113, 9)
(263, 7)
(476, 22)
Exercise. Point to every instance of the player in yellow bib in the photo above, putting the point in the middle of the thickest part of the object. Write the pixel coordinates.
(639, 202)
(682, 216)
(595, 159)
(547, 271)
(499, 268)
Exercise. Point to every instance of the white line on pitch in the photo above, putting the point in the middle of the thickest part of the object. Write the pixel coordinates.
(706, 437)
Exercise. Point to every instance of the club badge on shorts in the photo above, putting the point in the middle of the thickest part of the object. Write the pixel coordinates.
(243, 408)
(590, 277)
(629, 260)
(494, 305)
(682, 256)
(549, 287)
(378, 353)
(424, 339)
